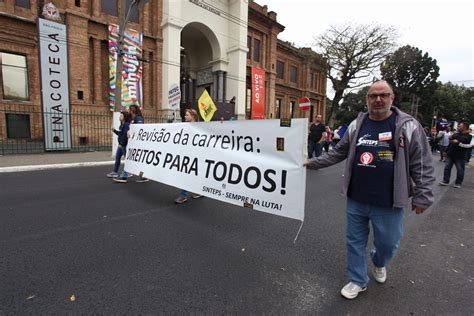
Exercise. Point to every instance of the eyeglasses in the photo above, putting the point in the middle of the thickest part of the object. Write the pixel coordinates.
(374, 96)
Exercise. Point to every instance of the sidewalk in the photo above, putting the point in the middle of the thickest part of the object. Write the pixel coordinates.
(16, 163)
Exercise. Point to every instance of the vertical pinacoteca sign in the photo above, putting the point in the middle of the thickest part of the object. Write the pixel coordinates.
(258, 94)
(54, 85)
(132, 67)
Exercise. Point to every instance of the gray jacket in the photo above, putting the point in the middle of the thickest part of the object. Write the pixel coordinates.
(413, 167)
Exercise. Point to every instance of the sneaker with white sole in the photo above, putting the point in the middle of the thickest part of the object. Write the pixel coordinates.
(142, 180)
(457, 186)
(443, 183)
(380, 274)
(351, 290)
(196, 196)
(120, 179)
(112, 175)
(180, 199)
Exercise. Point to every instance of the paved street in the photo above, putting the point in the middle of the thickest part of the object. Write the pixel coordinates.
(72, 241)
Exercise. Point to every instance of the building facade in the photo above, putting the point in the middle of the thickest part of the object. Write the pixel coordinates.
(194, 44)
(291, 73)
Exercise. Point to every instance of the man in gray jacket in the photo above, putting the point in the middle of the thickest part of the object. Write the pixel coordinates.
(388, 161)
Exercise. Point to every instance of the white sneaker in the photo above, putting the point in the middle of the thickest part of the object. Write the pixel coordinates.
(380, 274)
(351, 290)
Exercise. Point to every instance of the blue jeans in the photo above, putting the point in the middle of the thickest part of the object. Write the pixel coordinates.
(118, 156)
(387, 226)
(316, 148)
(460, 164)
(184, 193)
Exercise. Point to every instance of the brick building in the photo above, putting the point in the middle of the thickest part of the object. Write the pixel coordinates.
(291, 73)
(172, 33)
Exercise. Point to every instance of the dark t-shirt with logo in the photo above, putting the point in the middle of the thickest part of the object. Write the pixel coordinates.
(372, 172)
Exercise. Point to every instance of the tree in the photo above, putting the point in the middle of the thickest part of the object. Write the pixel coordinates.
(353, 53)
(454, 102)
(413, 75)
(352, 104)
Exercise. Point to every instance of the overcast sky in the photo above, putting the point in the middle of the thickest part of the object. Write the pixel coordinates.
(444, 29)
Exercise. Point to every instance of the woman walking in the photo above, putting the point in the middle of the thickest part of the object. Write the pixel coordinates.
(190, 115)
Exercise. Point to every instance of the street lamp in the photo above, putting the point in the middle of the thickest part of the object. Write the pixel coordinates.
(124, 16)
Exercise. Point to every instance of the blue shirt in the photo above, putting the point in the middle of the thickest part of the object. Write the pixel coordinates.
(372, 174)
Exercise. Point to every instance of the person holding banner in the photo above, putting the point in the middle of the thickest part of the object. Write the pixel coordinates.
(386, 152)
(137, 118)
(122, 138)
(190, 115)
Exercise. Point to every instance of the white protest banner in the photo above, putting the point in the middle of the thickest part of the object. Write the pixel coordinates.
(255, 164)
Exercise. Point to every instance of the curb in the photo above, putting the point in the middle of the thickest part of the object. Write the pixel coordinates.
(54, 166)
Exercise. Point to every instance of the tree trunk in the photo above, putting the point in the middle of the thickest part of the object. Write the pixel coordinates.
(331, 116)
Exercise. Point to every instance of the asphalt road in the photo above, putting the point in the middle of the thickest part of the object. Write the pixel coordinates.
(72, 241)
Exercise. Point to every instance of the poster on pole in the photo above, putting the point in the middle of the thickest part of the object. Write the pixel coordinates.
(132, 67)
(254, 164)
(258, 94)
(174, 96)
(54, 85)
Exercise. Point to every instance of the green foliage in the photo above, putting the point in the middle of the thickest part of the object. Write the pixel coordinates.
(411, 72)
(454, 102)
(350, 107)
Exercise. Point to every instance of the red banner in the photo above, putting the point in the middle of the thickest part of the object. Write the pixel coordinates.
(258, 94)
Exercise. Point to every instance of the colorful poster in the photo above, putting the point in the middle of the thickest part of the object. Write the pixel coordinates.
(254, 164)
(258, 94)
(132, 67)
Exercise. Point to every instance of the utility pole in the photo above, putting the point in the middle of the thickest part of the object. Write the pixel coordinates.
(124, 16)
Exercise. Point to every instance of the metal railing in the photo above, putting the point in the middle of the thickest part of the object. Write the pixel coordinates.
(24, 132)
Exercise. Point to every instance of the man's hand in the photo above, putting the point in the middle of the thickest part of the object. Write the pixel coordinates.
(305, 163)
(418, 209)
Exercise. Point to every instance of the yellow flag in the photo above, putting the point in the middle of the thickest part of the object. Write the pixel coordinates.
(206, 106)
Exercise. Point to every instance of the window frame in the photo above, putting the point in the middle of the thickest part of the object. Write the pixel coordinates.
(256, 50)
(104, 9)
(18, 3)
(136, 11)
(26, 79)
(249, 46)
(279, 62)
(295, 74)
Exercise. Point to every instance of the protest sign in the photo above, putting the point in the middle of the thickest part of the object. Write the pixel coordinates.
(174, 96)
(206, 106)
(255, 164)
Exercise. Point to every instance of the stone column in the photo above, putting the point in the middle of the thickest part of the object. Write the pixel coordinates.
(171, 57)
(218, 91)
(237, 56)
